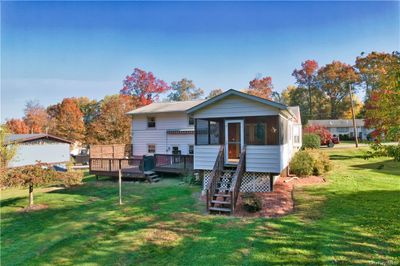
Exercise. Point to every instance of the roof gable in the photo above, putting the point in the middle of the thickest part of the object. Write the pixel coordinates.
(240, 94)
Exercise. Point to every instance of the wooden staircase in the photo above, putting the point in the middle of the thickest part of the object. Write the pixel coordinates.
(224, 184)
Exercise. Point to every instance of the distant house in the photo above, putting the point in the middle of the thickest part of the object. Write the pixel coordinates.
(163, 128)
(343, 128)
(38, 147)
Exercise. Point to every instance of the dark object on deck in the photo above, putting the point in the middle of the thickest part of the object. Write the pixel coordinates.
(60, 168)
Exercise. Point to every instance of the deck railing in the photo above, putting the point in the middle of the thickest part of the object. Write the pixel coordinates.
(215, 175)
(111, 165)
(237, 179)
(173, 163)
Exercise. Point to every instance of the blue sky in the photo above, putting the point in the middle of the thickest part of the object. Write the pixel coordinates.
(52, 50)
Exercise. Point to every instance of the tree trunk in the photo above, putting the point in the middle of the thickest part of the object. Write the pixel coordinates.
(309, 102)
(30, 195)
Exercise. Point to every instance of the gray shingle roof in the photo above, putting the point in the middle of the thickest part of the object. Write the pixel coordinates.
(28, 137)
(337, 122)
(165, 107)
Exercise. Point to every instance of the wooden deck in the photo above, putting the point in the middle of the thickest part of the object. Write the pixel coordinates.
(169, 163)
(135, 168)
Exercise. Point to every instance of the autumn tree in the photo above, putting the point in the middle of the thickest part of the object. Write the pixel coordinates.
(7, 150)
(358, 106)
(89, 108)
(373, 69)
(66, 120)
(143, 86)
(382, 107)
(184, 90)
(261, 87)
(17, 126)
(306, 78)
(112, 125)
(214, 92)
(35, 117)
(334, 80)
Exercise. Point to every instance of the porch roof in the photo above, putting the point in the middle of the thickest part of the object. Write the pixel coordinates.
(240, 94)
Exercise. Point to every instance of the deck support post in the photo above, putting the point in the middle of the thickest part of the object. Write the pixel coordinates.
(120, 186)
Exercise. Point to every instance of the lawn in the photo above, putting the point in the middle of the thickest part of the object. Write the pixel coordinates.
(355, 219)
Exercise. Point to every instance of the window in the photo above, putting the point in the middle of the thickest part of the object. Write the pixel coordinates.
(342, 129)
(175, 150)
(191, 149)
(208, 132)
(202, 132)
(296, 134)
(151, 148)
(191, 120)
(261, 130)
(151, 122)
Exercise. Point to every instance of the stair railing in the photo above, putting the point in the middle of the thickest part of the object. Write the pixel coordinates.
(237, 179)
(215, 175)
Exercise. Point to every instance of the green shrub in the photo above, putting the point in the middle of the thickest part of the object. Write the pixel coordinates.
(310, 162)
(311, 141)
(378, 150)
(251, 202)
(302, 163)
(70, 178)
(321, 161)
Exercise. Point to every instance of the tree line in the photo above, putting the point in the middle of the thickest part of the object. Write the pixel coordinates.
(321, 92)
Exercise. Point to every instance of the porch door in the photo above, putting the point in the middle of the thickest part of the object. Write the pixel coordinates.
(234, 140)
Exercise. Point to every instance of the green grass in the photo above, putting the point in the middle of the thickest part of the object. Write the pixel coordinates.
(352, 220)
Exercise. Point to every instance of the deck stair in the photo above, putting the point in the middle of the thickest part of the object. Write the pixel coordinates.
(224, 185)
(152, 176)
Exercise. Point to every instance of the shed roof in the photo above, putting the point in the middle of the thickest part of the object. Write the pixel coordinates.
(20, 138)
(337, 122)
(166, 107)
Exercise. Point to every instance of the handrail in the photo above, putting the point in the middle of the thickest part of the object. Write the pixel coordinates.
(215, 175)
(237, 179)
(114, 164)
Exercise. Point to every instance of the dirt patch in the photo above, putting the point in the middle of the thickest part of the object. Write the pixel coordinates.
(280, 201)
(36, 207)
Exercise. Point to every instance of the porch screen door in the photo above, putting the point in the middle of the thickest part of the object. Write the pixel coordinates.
(233, 140)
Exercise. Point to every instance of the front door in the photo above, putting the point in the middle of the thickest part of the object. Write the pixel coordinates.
(233, 140)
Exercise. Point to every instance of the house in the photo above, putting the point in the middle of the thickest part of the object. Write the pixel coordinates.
(163, 128)
(343, 128)
(38, 147)
(237, 142)
(262, 135)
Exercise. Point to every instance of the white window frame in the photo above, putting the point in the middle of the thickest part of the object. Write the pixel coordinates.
(148, 148)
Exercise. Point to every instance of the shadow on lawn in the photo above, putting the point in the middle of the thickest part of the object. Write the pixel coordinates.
(387, 167)
(344, 157)
(158, 225)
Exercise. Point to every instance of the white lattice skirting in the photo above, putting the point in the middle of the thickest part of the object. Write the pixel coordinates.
(251, 182)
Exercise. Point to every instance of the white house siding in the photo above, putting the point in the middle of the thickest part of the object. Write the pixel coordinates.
(263, 158)
(234, 106)
(181, 141)
(286, 154)
(205, 156)
(29, 154)
(142, 136)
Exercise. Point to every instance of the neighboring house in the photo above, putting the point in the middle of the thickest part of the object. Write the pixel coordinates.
(163, 128)
(268, 131)
(343, 127)
(38, 147)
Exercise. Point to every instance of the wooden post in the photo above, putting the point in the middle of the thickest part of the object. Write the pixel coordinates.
(120, 186)
(30, 194)
(353, 116)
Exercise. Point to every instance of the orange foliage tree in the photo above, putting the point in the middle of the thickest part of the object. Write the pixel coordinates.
(112, 125)
(35, 117)
(17, 126)
(66, 120)
(334, 80)
(261, 87)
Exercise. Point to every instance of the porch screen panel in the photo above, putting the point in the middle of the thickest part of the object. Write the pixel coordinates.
(262, 130)
(214, 132)
(201, 132)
